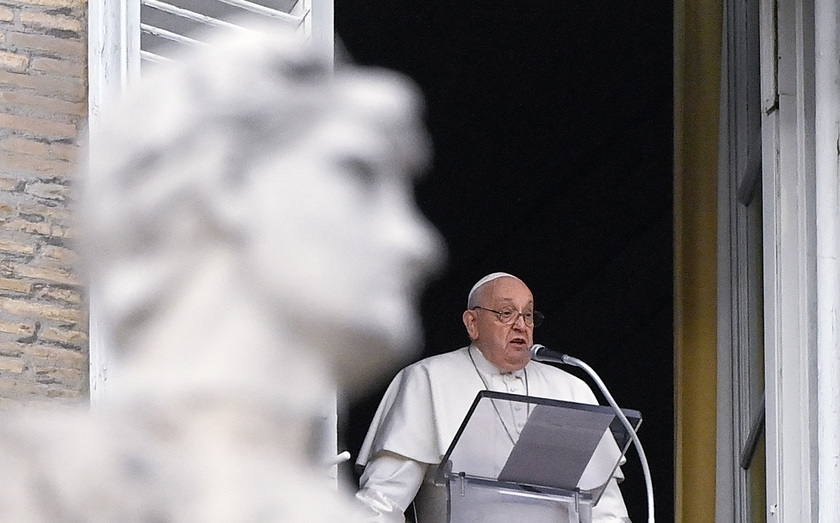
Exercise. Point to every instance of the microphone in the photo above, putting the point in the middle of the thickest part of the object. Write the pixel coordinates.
(546, 355)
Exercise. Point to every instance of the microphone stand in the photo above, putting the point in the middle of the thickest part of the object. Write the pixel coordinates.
(569, 360)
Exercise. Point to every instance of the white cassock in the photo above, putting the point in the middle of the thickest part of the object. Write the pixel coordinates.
(421, 412)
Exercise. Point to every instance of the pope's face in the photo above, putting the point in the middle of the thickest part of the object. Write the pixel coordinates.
(505, 346)
(341, 247)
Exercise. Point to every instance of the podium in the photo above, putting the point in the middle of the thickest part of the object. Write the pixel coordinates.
(521, 458)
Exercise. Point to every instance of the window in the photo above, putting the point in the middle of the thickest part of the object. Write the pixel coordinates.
(741, 454)
(125, 34)
(167, 25)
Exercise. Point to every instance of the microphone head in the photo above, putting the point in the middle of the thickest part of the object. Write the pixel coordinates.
(535, 348)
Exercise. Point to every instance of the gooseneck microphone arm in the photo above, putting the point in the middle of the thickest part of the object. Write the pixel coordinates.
(544, 354)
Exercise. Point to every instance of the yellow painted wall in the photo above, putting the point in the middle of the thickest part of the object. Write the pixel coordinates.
(697, 45)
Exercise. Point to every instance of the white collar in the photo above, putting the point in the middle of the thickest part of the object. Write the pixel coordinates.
(484, 365)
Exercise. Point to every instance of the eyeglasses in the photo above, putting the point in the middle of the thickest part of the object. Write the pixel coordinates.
(510, 316)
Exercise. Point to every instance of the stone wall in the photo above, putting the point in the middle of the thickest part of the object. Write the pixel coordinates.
(43, 111)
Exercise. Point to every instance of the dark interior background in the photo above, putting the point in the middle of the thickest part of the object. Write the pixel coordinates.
(552, 126)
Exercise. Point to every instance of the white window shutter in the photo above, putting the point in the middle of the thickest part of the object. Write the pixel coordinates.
(166, 25)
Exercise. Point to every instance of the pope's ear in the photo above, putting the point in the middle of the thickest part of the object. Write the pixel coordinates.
(470, 323)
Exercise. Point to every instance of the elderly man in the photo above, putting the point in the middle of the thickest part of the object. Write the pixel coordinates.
(426, 402)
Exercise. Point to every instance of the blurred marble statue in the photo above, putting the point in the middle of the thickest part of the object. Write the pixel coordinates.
(248, 225)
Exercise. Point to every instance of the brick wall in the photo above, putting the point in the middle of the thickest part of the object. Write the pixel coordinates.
(43, 108)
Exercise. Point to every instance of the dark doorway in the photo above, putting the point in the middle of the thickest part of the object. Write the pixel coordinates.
(552, 126)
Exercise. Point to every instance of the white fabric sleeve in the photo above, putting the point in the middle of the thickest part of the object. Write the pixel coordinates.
(388, 486)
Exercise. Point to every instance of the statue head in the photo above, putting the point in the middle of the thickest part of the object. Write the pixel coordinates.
(255, 153)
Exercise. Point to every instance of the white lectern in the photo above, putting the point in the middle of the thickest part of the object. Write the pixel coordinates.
(519, 458)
